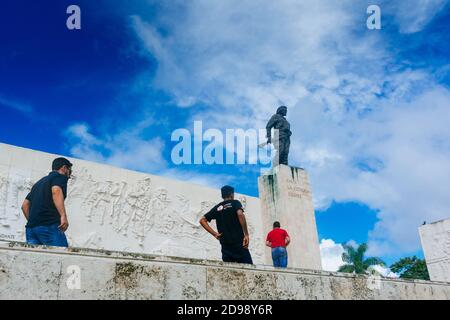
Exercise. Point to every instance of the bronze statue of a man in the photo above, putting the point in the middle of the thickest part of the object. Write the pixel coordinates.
(281, 142)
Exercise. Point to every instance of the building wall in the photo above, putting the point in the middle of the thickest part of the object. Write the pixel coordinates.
(435, 238)
(96, 274)
(116, 209)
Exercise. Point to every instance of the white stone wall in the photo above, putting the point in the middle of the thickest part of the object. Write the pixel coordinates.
(435, 238)
(115, 275)
(116, 209)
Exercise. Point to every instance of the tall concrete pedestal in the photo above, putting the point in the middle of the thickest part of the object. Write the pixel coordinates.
(286, 197)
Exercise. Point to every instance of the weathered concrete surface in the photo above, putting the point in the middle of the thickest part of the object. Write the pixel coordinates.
(435, 238)
(30, 272)
(286, 197)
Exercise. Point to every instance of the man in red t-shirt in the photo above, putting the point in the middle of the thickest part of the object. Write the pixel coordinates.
(278, 239)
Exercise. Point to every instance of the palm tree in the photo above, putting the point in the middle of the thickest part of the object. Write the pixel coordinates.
(355, 262)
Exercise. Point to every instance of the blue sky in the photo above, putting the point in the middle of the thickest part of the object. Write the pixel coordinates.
(369, 109)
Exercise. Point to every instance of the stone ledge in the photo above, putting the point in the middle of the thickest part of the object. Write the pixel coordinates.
(100, 253)
(38, 272)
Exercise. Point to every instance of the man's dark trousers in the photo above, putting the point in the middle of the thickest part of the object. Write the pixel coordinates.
(236, 253)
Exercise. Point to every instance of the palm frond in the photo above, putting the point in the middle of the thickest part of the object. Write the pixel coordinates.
(362, 248)
(373, 261)
(348, 268)
(346, 258)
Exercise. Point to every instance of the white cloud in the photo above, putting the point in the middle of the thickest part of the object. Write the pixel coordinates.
(16, 105)
(385, 272)
(81, 131)
(413, 15)
(211, 180)
(366, 128)
(126, 149)
(396, 159)
(331, 254)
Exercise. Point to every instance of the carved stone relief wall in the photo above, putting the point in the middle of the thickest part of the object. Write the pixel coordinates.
(116, 209)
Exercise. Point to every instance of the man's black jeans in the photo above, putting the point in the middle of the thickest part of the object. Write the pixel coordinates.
(236, 253)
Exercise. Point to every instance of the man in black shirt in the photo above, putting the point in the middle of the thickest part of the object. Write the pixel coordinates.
(232, 228)
(44, 207)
